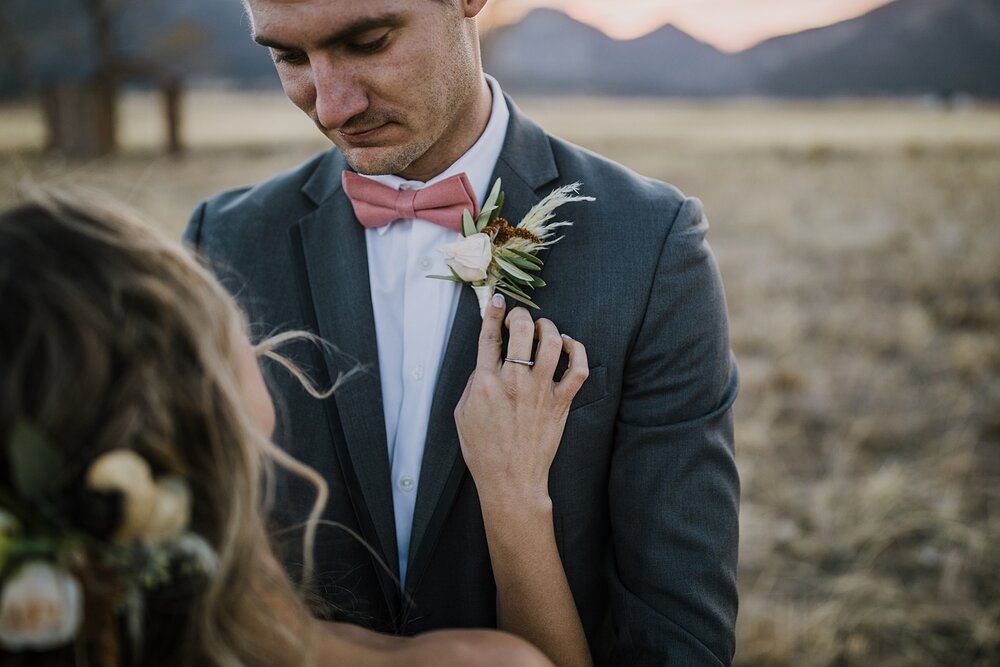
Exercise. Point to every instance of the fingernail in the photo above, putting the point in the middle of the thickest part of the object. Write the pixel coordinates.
(498, 301)
(567, 337)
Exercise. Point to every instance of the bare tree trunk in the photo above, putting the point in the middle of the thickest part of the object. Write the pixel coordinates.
(74, 116)
(82, 120)
(106, 81)
(172, 97)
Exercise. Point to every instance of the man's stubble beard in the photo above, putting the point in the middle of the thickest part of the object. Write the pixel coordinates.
(395, 159)
(459, 98)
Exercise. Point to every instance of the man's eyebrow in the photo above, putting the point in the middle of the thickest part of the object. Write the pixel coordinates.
(345, 34)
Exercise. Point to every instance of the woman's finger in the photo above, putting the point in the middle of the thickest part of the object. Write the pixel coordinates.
(577, 371)
(550, 346)
(522, 335)
(490, 341)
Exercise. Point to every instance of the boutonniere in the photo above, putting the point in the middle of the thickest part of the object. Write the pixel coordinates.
(495, 256)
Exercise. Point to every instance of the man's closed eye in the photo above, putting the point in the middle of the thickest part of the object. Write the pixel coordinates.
(370, 46)
(289, 57)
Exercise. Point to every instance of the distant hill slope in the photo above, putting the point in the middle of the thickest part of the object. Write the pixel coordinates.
(550, 52)
(907, 47)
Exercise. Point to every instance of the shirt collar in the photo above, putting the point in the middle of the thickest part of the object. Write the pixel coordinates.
(478, 162)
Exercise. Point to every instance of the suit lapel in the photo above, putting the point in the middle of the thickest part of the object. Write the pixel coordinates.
(336, 267)
(526, 165)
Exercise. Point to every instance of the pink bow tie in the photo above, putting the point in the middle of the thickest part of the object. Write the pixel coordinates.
(377, 205)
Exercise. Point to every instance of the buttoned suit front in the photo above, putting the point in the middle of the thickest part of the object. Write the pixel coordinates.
(644, 485)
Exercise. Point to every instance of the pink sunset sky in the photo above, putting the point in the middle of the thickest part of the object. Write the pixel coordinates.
(730, 25)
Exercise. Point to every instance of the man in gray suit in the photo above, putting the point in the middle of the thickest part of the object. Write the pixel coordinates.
(644, 486)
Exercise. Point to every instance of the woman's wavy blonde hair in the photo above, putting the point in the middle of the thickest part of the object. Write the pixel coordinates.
(112, 336)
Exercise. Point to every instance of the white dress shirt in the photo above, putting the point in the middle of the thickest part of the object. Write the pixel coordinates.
(414, 314)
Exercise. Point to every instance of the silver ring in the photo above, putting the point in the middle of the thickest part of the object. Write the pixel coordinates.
(523, 362)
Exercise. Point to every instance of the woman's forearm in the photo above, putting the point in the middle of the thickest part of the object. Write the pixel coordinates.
(533, 596)
(510, 422)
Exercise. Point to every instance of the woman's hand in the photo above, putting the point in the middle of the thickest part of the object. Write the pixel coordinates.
(510, 421)
(511, 417)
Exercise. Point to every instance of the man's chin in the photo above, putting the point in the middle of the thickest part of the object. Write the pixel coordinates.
(376, 161)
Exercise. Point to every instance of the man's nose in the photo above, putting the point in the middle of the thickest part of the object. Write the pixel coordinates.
(340, 95)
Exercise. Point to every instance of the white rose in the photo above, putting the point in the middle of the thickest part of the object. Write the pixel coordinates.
(470, 257)
(128, 473)
(171, 511)
(41, 607)
(151, 510)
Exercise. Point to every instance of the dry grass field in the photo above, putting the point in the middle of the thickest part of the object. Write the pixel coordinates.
(860, 245)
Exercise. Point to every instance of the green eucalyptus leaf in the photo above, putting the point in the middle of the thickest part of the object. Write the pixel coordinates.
(518, 297)
(454, 277)
(514, 288)
(496, 212)
(527, 256)
(36, 465)
(468, 224)
(509, 268)
(36, 547)
(521, 263)
(486, 213)
(538, 282)
(492, 202)
(482, 221)
(491, 208)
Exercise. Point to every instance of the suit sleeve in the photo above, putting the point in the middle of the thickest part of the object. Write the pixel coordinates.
(673, 488)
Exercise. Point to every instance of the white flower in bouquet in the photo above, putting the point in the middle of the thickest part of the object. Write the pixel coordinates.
(42, 548)
(171, 512)
(152, 510)
(41, 607)
(126, 472)
(470, 257)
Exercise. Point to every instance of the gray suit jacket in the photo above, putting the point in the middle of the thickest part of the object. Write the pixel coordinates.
(644, 486)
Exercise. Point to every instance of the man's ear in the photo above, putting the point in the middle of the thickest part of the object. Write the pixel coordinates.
(472, 7)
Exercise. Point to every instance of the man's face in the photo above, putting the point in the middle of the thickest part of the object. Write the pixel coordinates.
(388, 81)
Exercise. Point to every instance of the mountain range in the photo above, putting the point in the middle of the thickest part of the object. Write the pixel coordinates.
(907, 47)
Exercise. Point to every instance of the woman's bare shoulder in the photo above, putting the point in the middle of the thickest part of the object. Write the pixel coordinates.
(474, 648)
(441, 648)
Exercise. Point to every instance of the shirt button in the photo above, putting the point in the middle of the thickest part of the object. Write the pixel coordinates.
(407, 484)
(418, 372)
(425, 263)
